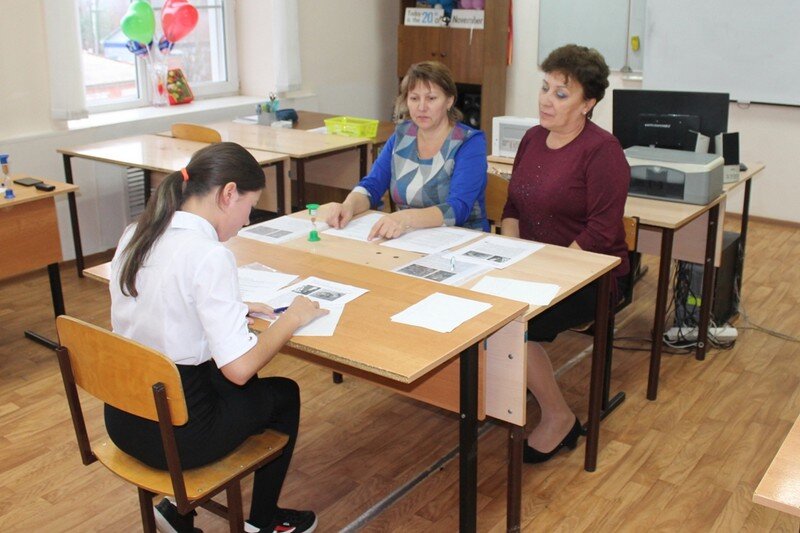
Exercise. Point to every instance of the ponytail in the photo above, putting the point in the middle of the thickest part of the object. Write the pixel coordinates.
(210, 167)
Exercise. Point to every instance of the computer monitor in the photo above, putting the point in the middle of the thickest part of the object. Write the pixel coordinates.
(668, 119)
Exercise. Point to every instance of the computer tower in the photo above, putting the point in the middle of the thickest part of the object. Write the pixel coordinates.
(727, 285)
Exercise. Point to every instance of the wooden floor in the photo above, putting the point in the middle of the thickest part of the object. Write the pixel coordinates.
(686, 462)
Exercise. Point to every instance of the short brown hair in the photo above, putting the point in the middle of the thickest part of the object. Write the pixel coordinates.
(585, 65)
(428, 72)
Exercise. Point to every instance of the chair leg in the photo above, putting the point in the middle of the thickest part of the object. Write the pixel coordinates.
(235, 514)
(609, 404)
(146, 508)
(337, 377)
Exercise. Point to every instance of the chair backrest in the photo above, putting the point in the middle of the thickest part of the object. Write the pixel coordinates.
(496, 195)
(195, 132)
(631, 225)
(119, 371)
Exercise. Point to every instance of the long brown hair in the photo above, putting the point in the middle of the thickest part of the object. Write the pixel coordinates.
(428, 72)
(210, 167)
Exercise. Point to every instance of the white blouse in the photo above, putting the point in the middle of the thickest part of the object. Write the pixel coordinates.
(189, 307)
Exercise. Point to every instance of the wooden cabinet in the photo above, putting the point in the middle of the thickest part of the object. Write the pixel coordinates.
(476, 57)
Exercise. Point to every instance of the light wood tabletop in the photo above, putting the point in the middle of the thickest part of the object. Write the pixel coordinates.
(23, 194)
(780, 487)
(153, 152)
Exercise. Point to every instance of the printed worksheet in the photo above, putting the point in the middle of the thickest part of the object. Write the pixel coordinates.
(497, 252)
(279, 230)
(258, 283)
(432, 240)
(532, 292)
(441, 312)
(358, 229)
(443, 268)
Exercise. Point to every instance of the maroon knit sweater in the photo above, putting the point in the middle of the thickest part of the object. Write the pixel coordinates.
(574, 193)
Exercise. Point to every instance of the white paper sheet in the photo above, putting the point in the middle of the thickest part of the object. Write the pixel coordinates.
(532, 292)
(497, 252)
(441, 312)
(358, 229)
(442, 268)
(432, 240)
(279, 230)
(258, 283)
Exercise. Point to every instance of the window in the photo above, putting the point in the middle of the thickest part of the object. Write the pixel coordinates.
(115, 79)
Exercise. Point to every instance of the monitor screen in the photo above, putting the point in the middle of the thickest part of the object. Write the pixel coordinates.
(668, 119)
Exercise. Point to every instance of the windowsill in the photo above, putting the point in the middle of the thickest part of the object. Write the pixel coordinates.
(173, 111)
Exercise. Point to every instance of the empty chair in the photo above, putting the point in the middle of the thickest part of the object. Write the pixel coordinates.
(496, 195)
(195, 132)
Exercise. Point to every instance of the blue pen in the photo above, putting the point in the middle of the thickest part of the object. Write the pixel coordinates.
(280, 310)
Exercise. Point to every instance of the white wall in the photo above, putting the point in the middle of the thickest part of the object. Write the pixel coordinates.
(348, 63)
(770, 134)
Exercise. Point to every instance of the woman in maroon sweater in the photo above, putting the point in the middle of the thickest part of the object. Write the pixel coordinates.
(568, 188)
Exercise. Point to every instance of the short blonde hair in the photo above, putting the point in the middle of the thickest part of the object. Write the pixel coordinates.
(428, 72)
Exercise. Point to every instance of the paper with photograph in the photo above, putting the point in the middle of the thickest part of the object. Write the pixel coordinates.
(497, 252)
(279, 230)
(443, 268)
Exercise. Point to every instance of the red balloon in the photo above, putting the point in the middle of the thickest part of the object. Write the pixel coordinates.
(178, 19)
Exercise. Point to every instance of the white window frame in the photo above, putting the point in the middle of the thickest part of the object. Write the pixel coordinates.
(200, 90)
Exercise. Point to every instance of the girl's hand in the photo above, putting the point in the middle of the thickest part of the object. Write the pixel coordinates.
(258, 307)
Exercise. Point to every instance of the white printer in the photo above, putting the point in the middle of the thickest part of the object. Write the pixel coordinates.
(674, 175)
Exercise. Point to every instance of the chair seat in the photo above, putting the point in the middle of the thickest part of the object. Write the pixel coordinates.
(199, 481)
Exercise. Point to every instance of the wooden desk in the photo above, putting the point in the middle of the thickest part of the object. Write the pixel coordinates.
(29, 239)
(300, 146)
(390, 354)
(506, 352)
(153, 153)
(780, 487)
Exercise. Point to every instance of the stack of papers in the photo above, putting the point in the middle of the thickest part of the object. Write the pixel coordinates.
(441, 312)
(258, 282)
(279, 230)
(432, 240)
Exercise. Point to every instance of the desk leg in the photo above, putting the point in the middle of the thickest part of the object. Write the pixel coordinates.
(73, 217)
(598, 370)
(301, 184)
(280, 192)
(147, 176)
(661, 309)
(743, 233)
(516, 438)
(58, 305)
(468, 440)
(363, 152)
(707, 302)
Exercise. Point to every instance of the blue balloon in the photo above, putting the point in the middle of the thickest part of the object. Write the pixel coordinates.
(137, 48)
(164, 45)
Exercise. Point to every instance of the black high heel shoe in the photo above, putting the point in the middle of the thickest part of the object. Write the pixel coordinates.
(531, 455)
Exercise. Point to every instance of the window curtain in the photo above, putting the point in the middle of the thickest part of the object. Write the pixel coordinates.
(62, 32)
(286, 45)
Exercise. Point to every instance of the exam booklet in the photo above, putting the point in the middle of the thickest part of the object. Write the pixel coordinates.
(279, 230)
(444, 268)
(497, 252)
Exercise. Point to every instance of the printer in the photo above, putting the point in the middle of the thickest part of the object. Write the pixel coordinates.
(674, 175)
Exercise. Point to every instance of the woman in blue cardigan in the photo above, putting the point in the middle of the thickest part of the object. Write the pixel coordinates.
(433, 166)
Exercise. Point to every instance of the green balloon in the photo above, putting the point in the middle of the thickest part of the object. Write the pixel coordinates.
(139, 22)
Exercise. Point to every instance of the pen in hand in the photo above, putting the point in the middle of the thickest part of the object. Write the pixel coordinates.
(279, 310)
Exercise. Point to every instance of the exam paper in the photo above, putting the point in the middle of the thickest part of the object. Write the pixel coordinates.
(441, 312)
(444, 268)
(258, 283)
(432, 240)
(279, 230)
(532, 292)
(358, 228)
(497, 252)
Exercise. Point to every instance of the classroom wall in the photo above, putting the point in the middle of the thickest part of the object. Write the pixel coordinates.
(348, 59)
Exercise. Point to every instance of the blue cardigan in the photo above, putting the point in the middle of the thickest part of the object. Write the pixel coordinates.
(454, 180)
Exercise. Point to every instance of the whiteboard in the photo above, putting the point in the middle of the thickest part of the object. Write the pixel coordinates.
(601, 25)
(748, 48)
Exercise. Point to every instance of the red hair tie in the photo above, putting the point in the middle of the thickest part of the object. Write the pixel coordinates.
(185, 174)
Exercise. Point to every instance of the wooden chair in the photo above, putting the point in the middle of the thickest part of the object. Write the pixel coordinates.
(144, 382)
(496, 195)
(195, 132)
